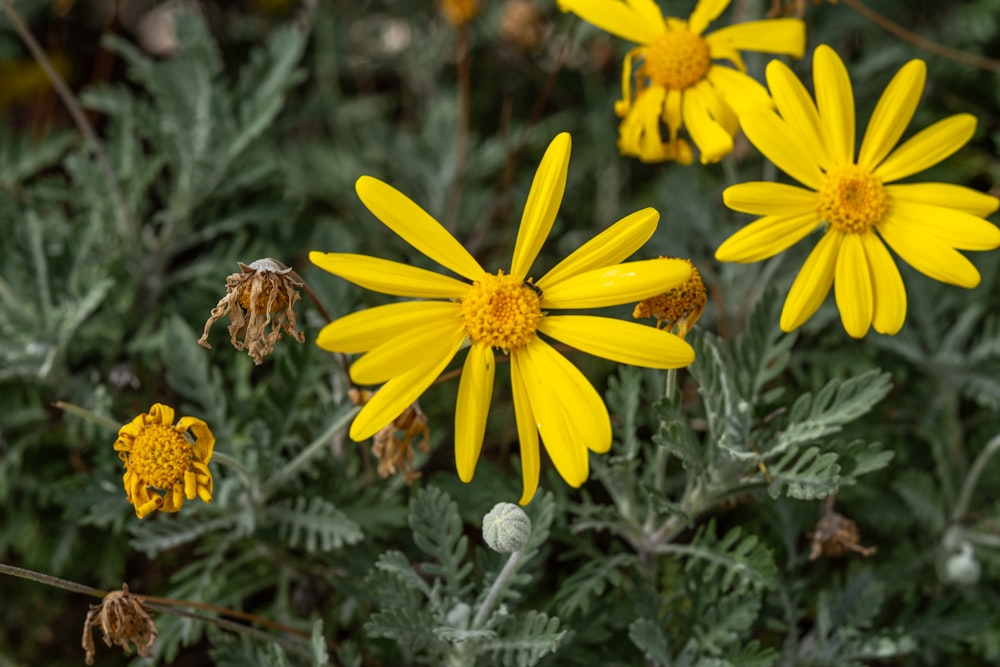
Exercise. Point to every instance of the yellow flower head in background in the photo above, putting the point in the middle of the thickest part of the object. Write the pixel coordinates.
(673, 76)
(459, 12)
(679, 307)
(165, 463)
(925, 223)
(408, 344)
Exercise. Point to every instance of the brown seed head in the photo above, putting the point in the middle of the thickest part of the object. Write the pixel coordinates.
(124, 620)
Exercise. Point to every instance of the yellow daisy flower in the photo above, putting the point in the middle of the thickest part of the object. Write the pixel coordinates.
(409, 344)
(925, 223)
(673, 76)
(161, 455)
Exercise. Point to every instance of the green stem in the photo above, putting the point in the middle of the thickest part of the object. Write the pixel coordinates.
(49, 580)
(230, 462)
(972, 478)
(84, 413)
(498, 584)
(313, 448)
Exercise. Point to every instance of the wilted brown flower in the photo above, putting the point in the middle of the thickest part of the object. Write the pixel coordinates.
(459, 12)
(124, 620)
(263, 293)
(521, 23)
(393, 445)
(678, 307)
(835, 535)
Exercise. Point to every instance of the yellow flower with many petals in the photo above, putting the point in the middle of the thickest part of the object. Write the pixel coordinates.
(408, 344)
(925, 223)
(673, 75)
(161, 455)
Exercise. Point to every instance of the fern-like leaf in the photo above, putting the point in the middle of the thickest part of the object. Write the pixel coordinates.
(314, 523)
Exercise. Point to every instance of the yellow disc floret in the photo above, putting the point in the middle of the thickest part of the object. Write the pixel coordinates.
(160, 456)
(677, 59)
(678, 307)
(502, 311)
(852, 199)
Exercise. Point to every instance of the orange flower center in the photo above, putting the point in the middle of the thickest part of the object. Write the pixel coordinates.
(852, 200)
(677, 59)
(680, 306)
(160, 456)
(502, 311)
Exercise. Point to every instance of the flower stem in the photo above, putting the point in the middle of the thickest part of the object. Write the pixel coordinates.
(84, 413)
(49, 580)
(497, 587)
(972, 478)
(313, 448)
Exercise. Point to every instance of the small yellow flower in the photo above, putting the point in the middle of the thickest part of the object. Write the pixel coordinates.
(673, 75)
(678, 307)
(851, 199)
(459, 12)
(165, 463)
(409, 344)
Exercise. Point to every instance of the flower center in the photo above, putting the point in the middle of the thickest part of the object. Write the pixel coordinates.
(502, 311)
(680, 306)
(677, 59)
(160, 456)
(852, 200)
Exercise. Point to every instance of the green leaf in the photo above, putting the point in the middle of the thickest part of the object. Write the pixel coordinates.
(314, 523)
(735, 561)
(437, 531)
(806, 476)
(524, 639)
(651, 640)
(318, 644)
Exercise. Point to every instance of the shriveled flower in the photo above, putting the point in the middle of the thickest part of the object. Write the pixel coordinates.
(165, 462)
(674, 75)
(393, 446)
(835, 535)
(409, 344)
(522, 24)
(459, 12)
(678, 307)
(850, 200)
(124, 620)
(263, 293)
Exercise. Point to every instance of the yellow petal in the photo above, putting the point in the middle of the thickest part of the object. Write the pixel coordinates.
(778, 142)
(767, 198)
(540, 210)
(812, 284)
(798, 110)
(161, 414)
(887, 285)
(613, 285)
(398, 355)
(766, 237)
(958, 229)
(638, 21)
(927, 253)
(893, 113)
(475, 390)
(401, 391)
(388, 277)
(624, 342)
(639, 132)
(741, 92)
(928, 147)
(704, 13)
(957, 197)
(708, 135)
(415, 226)
(853, 287)
(835, 102)
(527, 434)
(369, 328)
(609, 247)
(204, 440)
(785, 36)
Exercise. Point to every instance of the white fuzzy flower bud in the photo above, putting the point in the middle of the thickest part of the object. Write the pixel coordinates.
(506, 528)
(962, 568)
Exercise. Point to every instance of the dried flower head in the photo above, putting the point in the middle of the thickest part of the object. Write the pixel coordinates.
(522, 24)
(163, 464)
(124, 620)
(262, 293)
(680, 306)
(835, 535)
(393, 445)
(459, 12)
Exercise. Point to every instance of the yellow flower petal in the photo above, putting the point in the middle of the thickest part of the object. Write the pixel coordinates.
(639, 132)
(704, 13)
(475, 390)
(958, 229)
(396, 355)
(204, 440)
(708, 135)
(401, 391)
(387, 277)
(927, 253)
(957, 197)
(893, 113)
(835, 102)
(928, 147)
(887, 285)
(741, 92)
(617, 340)
(812, 284)
(613, 285)
(853, 287)
(767, 198)
(798, 110)
(611, 246)
(415, 226)
(366, 329)
(161, 414)
(777, 141)
(766, 237)
(785, 36)
(638, 21)
(540, 210)
(527, 434)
